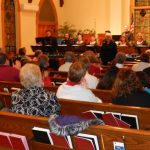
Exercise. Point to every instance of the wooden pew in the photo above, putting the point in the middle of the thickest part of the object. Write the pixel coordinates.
(77, 107)
(58, 74)
(23, 124)
(105, 95)
(8, 85)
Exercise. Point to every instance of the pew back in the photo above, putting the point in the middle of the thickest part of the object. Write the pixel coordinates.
(73, 107)
(23, 124)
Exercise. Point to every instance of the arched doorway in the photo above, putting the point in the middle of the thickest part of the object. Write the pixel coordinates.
(10, 30)
(46, 18)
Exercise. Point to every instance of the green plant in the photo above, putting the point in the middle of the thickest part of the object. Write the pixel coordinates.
(66, 28)
(87, 31)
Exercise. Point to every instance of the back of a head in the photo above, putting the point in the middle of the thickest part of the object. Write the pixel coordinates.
(3, 58)
(22, 51)
(38, 53)
(76, 72)
(83, 59)
(120, 58)
(69, 56)
(144, 78)
(30, 75)
(126, 83)
(91, 56)
(108, 79)
(145, 57)
(43, 61)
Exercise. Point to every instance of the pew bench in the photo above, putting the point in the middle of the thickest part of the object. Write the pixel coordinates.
(23, 124)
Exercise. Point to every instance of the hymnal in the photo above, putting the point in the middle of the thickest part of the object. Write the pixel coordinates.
(131, 119)
(5, 140)
(93, 114)
(86, 141)
(42, 135)
(63, 141)
(19, 142)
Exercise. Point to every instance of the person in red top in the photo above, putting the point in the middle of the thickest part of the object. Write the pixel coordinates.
(7, 73)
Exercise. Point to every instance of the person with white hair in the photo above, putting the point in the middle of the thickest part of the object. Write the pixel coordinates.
(128, 34)
(108, 49)
(34, 99)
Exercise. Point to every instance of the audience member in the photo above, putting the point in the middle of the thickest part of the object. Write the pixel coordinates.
(145, 63)
(108, 49)
(90, 80)
(33, 99)
(72, 89)
(43, 63)
(128, 90)
(69, 58)
(37, 54)
(145, 80)
(22, 56)
(7, 73)
(120, 59)
(94, 68)
(109, 77)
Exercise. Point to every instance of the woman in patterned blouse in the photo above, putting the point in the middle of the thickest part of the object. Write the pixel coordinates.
(34, 99)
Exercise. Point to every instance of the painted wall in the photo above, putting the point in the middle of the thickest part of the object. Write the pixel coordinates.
(98, 14)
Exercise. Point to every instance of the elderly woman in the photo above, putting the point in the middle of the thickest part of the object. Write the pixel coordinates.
(128, 90)
(33, 99)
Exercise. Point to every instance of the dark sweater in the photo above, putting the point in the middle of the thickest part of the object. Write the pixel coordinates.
(140, 99)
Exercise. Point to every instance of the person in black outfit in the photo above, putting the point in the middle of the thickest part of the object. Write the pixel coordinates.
(49, 40)
(108, 49)
(128, 90)
(67, 40)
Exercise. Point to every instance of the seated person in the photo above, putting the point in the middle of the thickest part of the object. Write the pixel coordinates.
(109, 77)
(72, 89)
(94, 68)
(69, 58)
(37, 54)
(119, 60)
(93, 40)
(90, 80)
(144, 79)
(43, 63)
(108, 49)
(123, 41)
(128, 34)
(48, 39)
(33, 99)
(80, 40)
(67, 40)
(22, 56)
(7, 73)
(128, 90)
(145, 63)
(140, 40)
